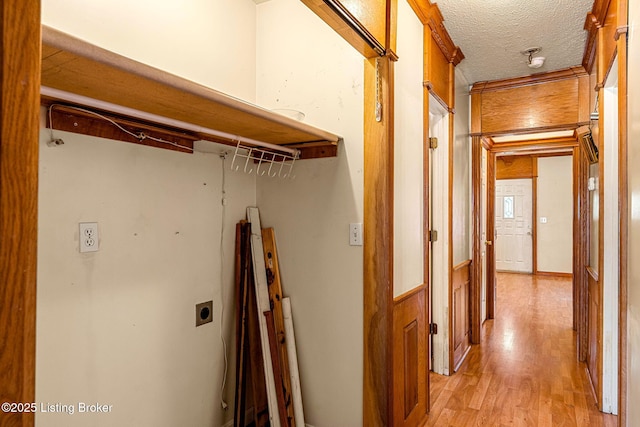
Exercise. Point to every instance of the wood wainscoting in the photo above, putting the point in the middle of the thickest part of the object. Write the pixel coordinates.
(460, 303)
(410, 358)
(594, 347)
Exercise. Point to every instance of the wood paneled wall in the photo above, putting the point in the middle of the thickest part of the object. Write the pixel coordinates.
(441, 55)
(437, 79)
(410, 358)
(594, 349)
(555, 100)
(515, 167)
(19, 130)
(461, 322)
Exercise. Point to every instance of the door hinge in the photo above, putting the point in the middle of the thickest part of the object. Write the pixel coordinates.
(433, 328)
(433, 142)
(433, 236)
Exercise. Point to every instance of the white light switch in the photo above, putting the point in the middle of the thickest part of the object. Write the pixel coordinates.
(355, 234)
(543, 220)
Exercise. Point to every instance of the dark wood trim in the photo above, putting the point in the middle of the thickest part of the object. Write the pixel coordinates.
(431, 17)
(451, 136)
(491, 228)
(591, 272)
(426, 224)
(347, 26)
(487, 143)
(540, 129)
(429, 86)
(554, 274)
(476, 114)
(582, 231)
(19, 133)
(495, 85)
(391, 29)
(378, 248)
(71, 119)
(409, 294)
(577, 241)
(476, 249)
(534, 216)
(546, 144)
(593, 22)
(68, 118)
(623, 201)
(462, 265)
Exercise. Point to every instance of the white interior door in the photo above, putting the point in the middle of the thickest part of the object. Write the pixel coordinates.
(439, 208)
(483, 236)
(514, 239)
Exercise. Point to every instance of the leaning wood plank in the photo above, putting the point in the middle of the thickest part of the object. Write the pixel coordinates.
(255, 370)
(290, 338)
(262, 296)
(242, 258)
(277, 369)
(275, 299)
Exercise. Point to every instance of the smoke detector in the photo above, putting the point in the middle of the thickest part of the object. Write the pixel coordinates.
(533, 61)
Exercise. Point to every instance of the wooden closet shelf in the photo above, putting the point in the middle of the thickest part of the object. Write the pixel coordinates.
(80, 68)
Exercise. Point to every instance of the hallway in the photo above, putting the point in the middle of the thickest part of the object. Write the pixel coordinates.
(525, 371)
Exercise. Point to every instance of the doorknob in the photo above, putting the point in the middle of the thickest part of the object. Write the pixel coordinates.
(488, 242)
(528, 233)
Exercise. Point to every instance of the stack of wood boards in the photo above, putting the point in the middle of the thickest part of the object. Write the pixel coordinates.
(267, 380)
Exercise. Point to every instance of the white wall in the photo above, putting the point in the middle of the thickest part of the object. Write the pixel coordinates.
(209, 42)
(611, 229)
(306, 66)
(633, 314)
(408, 267)
(555, 202)
(117, 326)
(461, 226)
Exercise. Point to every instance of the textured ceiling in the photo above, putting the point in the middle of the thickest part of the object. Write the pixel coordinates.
(492, 33)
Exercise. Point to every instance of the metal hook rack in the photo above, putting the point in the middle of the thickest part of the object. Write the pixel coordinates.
(263, 162)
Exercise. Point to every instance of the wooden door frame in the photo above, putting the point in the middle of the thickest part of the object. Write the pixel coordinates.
(490, 273)
(19, 129)
(623, 202)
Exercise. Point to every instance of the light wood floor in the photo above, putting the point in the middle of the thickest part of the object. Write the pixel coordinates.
(525, 372)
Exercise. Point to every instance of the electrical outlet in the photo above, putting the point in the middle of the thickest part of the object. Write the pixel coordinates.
(89, 237)
(204, 313)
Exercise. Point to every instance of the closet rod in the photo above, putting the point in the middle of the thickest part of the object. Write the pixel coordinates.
(107, 106)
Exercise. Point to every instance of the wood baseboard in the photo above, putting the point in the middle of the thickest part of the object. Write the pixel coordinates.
(555, 274)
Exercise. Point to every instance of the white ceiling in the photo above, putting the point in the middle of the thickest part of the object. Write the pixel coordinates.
(492, 33)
